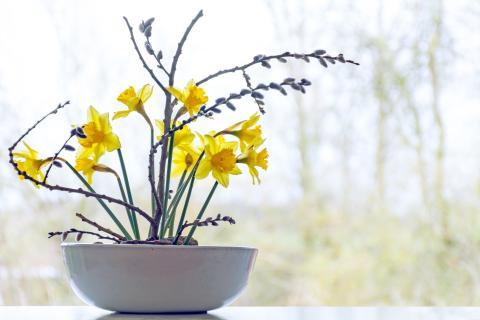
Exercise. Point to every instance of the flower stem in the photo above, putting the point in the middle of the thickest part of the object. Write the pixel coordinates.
(173, 206)
(167, 183)
(181, 191)
(182, 179)
(185, 206)
(129, 214)
(152, 168)
(102, 203)
(200, 214)
(132, 215)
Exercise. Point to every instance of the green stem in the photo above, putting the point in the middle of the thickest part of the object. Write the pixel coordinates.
(185, 206)
(173, 206)
(102, 203)
(178, 197)
(132, 214)
(181, 191)
(171, 218)
(124, 197)
(182, 179)
(200, 214)
(167, 183)
(152, 168)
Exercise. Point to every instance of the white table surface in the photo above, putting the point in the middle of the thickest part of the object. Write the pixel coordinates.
(251, 313)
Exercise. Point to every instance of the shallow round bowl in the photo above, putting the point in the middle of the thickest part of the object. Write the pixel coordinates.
(155, 278)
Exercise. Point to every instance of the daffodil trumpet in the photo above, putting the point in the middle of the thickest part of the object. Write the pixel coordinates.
(99, 137)
(135, 101)
(192, 97)
(29, 163)
(253, 159)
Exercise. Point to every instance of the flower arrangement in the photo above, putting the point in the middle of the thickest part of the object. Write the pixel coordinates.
(185, 156)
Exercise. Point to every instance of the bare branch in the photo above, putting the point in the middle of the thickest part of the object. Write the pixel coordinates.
(55, 156)
(145, 65)
(173, 69)
(99, 227)
(62, 188)
(322, 58)
(80, 232)
(166, 124)
(203, 223)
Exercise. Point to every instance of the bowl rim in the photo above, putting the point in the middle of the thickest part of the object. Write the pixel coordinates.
(153, 246)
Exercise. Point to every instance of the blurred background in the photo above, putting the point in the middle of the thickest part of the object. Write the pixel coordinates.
(372, 196)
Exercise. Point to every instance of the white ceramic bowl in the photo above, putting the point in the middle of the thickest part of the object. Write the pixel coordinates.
(155, 278)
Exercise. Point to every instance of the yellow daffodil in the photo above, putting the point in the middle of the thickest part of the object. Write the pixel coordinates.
(88, 166)
(254, 159)
(99, 135)
(192, 98)
(183, 160)
(183, 138)
(246, 132)
(30, 164)
(135, 102)
(219, 159)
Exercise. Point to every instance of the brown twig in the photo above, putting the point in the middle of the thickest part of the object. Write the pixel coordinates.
(173, 69)
(64, 234)
(55, 156)
(62, 188)
(145, 65)
(203, 223)
(166, 124)
(99, 227)
(259, 103)
(204, 111)
(260, 59)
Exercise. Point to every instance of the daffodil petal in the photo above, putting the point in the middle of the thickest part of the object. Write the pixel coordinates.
(176, 93)
(203, 169)
(112, 142)
(145, 92)
(121, 114)
(221, 177)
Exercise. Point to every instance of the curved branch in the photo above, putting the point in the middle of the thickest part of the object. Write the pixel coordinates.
(80, 233)
(322, 58)
(173, 69)
(166, 124)
(145, 65)
(99, 227)
(62, 188)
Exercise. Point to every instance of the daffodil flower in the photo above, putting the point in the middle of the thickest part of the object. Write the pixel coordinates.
(88, 166)
(30, 164)
(135, 102)
(192, 98)
(182, 139)
(219, 159)
(99, 135)
(254, 159)
(183, 160)
(246, 132)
